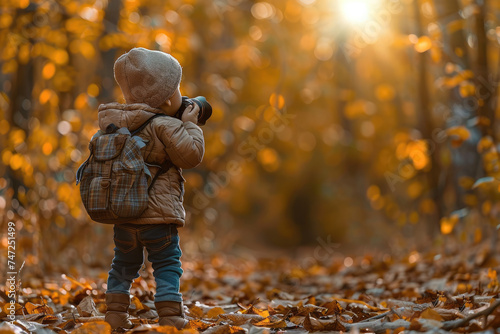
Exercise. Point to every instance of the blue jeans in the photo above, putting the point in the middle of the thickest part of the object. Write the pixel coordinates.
(162, 243)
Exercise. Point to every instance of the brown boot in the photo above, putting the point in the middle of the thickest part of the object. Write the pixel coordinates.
(171, 314)
(117, 315)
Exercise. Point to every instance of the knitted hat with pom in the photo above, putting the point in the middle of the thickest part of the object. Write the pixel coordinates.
(147, 76)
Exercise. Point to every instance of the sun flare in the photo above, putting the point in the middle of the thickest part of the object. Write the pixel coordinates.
(355, 11)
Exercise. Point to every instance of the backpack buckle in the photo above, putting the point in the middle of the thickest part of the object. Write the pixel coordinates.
(111, 129)
(105, 183)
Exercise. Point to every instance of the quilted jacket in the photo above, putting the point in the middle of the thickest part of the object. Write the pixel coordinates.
(166, 138)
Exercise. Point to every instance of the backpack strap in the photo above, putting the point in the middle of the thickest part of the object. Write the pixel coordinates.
(163, 169)
(79, 172)
(167, 164)
(139, 129)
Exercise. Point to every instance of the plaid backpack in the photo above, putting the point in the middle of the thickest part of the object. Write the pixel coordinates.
(115, 180)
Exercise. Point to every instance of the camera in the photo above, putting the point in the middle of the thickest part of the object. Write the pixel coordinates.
(201, 101)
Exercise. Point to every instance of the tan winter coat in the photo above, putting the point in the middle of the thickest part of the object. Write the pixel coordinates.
(166, 138)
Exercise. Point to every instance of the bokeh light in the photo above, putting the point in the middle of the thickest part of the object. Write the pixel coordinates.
(355, 11)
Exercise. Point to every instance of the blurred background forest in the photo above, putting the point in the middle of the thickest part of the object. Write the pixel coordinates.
(362, 123)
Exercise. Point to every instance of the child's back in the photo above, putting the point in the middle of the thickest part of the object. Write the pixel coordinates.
(150, 82)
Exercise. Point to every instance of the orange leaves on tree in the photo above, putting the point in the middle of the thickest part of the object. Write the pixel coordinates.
(277, 101)
(16, 161)
(455, 25)
(466, 182)
(93, 90)
(423, 44)
(458, 135)
(385, 92)
(60, 56)
(81, 101)
(467, 89)
(479, 121)
(269, 159)
(417, 151)
(491, 159)
(45, 96)
(48, 70)
(456, 80)
(76, 25)
(485, 144)
(83, 47)
(448, 224)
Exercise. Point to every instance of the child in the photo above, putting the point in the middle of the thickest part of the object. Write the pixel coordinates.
(150, 82)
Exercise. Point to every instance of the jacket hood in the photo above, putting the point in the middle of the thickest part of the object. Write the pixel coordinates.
(131, 116)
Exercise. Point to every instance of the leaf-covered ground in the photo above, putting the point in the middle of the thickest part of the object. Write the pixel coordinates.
(454, 291)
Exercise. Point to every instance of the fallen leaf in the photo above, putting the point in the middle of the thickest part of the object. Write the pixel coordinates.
(199, 325)
(224, 329)
(7, 328)
(431, 315)
(17, 307)
(36, 308)
(254, 310)
(214, 312)
(136, 303)
(315, 325)
(297, 319)
(272, 322)
(87, 308)
(100, 327)
(195, 311)
(333, 307)
(238, 319)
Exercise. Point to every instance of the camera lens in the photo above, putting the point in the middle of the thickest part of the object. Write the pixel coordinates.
(205, 109)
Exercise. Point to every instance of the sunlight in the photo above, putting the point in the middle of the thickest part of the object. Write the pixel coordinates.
(355, 11)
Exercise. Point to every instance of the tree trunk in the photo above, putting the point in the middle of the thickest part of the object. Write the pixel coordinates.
(426, 127)
(465, 159)
(485, 90)
(111, 19)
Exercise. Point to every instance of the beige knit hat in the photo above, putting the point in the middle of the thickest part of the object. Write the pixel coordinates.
(147, 76)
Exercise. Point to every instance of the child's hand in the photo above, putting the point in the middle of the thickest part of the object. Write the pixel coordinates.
(191, 114)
